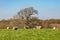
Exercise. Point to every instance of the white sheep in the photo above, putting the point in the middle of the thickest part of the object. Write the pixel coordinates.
(15, 28)
(38, 27)
(7, 27)
(54, 28)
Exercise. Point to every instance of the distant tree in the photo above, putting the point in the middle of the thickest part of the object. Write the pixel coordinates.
(26, 14)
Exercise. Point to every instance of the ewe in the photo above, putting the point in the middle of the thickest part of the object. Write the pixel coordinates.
(38, 27)
(7, 27)
(54, 28)
(15, 28)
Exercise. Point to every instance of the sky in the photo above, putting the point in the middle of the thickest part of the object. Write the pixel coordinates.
(47, 9)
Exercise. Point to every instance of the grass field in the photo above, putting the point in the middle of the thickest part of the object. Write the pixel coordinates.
(30, 34)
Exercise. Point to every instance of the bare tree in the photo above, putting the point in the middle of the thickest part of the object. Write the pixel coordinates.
(26, 14)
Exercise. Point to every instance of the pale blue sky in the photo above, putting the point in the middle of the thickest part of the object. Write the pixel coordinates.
(46, 8)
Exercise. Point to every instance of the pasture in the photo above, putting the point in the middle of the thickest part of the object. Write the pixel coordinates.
(30, 34)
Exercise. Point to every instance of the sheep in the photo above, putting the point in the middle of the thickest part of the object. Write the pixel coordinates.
(38, 27)
(15, 28)
(7, 27)
(24, 27)
(54, 28)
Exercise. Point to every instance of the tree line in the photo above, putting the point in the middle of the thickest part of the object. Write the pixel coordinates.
(24, 19)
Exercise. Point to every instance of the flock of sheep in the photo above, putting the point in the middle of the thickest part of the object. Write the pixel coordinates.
(14, 28)
(36, 27)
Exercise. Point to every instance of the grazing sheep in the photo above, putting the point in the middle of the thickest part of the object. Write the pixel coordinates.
(15, 28)
(54, 28)
(24, 27)
(38, 27)
(7, 27)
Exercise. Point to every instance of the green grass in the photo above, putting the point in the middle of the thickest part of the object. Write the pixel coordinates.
(30, 34)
